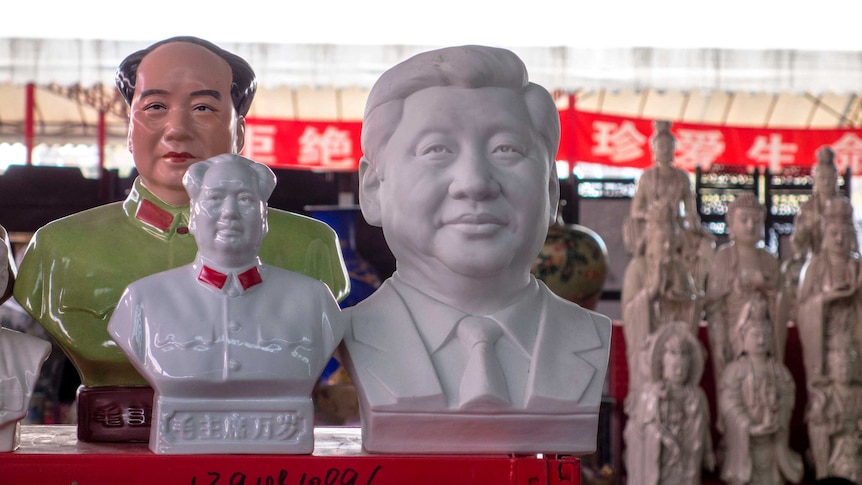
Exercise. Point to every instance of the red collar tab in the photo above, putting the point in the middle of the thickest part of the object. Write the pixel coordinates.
(249, 278)
(212, 277)
(216, 278)
(154, 215)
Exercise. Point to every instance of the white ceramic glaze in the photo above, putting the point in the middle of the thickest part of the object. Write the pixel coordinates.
(232, 347)
(21, 358)
(459, 172)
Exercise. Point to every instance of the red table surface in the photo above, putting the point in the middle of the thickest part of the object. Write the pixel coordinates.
(52, 455)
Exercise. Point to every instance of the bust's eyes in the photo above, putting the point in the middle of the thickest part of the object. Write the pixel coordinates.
(246, 199)
(507, 149)
(436, 149)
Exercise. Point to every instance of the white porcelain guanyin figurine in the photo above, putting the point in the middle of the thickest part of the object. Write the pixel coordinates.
(698, 252)
(835, 416)
(830, 300)
(755, 400)
(807, 233)
(462, 350)
(232, 347)
(658, 287)
(807, 237)
(21, 358)
(742, 269)
(667, 434)
(665, 184)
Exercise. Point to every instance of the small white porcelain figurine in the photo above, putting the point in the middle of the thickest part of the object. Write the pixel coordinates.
(742, 269)
(462, 350)
(835, 416)
(231, 346)
(667, 433)
(756, 398)
(807, 239)
(668, 185)
(830, 307)
(21, 358)
(658, 287)
(807, 234)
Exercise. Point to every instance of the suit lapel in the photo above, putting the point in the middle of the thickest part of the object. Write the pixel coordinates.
(398, 360)
(570, 356)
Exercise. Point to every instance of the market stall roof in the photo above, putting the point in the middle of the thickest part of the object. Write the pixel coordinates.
(748, 87)
(88, 62)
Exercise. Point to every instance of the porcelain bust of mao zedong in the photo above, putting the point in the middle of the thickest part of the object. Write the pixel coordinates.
(462, 350)
(21, 358)
(231, 346)
(187, 102)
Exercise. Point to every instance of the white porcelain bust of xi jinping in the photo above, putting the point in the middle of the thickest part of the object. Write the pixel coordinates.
(462, 350)
(231, 346)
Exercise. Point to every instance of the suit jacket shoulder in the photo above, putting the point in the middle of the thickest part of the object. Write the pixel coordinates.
(386, 357)
(570, 358)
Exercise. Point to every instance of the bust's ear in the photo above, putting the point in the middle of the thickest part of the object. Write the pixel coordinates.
(369, 192)
(239, 134)
(553, 195)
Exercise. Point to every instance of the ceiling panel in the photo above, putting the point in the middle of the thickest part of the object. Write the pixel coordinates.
(749, 109)
(833, 109)
(589, 100)
(622, 102)
(664, 105)
(317, 104)
(12, 103)
(55, 108)
(706, 107)
(791, 110)
(273, 103)
(352, 103)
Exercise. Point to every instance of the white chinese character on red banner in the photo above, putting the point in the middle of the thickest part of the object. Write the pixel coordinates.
(698, 148)
(848, 153)
(331, 149)
(620, 143)
(771, 151)
(260, 143)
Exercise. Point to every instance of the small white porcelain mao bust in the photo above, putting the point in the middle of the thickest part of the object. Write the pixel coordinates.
(231, 346)
(462, 350)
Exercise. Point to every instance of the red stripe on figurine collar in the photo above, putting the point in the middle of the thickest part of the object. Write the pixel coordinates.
(216, 278)
(154, 215)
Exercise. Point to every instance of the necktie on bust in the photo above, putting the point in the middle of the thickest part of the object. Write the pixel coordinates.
(483, 384)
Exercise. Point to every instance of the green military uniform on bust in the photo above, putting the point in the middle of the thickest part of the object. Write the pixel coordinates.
(76, 268)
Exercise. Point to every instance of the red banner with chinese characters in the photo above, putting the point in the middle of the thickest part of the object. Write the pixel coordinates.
(326, 146)
(625, 142)
(334, 146)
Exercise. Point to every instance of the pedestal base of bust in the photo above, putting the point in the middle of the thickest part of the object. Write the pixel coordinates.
(115, 414)
(444, 433)
(254, 425)
(10, 436)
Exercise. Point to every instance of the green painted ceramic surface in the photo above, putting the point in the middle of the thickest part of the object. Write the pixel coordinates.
(76, 268)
